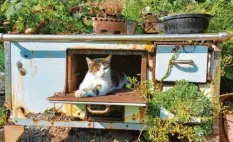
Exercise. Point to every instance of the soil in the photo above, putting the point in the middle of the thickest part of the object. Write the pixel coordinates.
(64, 134)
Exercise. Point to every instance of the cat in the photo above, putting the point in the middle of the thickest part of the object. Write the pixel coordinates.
(100, 79)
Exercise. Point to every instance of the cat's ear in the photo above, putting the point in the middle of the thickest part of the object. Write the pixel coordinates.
(89, 61)
(108, 59)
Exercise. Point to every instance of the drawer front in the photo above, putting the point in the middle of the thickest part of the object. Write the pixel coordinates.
(190, 63)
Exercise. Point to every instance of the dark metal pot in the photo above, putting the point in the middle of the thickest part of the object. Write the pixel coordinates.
(185, 23)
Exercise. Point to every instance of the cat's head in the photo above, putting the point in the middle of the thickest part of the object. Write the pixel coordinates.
(99, 67)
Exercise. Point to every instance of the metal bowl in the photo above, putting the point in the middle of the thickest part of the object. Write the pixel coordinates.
(185, 23)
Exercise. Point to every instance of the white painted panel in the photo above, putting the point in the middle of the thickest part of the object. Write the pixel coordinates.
(45, 64)
(193, 73)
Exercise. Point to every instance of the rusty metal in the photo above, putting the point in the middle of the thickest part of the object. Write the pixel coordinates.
(82, 124)
(106, 52)
(208, 43)
(121, 97)
(8, 89)
(12, 133)
(70, 85)
(135, 114)
(90, 110)
(154, 66)
(141, 114)
(190, 62)
(143, 68)
(151, 24)
(109, 25)
(150, 63)
(216, 48)
(115, 113)
(162, 37)
(215, 86)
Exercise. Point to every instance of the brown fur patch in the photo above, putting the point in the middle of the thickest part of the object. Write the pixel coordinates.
(95, 64)
(94, 67)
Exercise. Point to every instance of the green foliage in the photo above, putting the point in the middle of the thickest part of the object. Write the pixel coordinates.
(227, 63)
(184, 98)
(2, 57)
(184, 101)
(2, 117)
(46, 16)
(160, 130)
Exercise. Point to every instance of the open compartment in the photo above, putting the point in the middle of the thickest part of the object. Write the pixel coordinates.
(133, 63)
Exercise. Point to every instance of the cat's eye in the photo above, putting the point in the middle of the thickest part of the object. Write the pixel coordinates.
(105, 68)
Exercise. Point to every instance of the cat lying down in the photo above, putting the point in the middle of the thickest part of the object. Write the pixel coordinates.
(100, 79)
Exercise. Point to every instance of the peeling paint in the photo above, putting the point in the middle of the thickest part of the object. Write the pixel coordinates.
(141, 115)
(90, 125)
(74, 110)
(31, 63)
(135, 114)
(149, 47)
(35, 71)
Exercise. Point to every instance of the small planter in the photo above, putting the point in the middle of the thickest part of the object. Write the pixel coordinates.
(185, 23)
(109, 26)
(228, 126)
(166, 114)
(113, 26)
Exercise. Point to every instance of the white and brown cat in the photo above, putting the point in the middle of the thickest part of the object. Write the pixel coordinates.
(100, 79)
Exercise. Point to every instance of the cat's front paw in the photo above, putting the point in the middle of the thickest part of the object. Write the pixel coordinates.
(80, 94)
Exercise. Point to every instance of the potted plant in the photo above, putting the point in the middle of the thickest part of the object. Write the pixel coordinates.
(227, 117)
(107, 18)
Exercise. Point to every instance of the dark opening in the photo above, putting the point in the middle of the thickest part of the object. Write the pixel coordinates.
(77, 68)
(104, 31)
(116, 113)
(117, 32)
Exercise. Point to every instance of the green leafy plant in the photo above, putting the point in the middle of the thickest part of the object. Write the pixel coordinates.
(47, 17)
(2, 58)
(184, 101)
(2, 116)
(227, 103)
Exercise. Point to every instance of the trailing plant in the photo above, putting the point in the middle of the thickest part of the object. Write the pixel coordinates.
(185, 101)
(227, 100)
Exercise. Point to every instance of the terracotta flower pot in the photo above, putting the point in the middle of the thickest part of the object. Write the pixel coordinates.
(228, 126)
(113, 26)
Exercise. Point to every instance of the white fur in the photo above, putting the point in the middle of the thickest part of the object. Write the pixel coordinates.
(103, 78)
